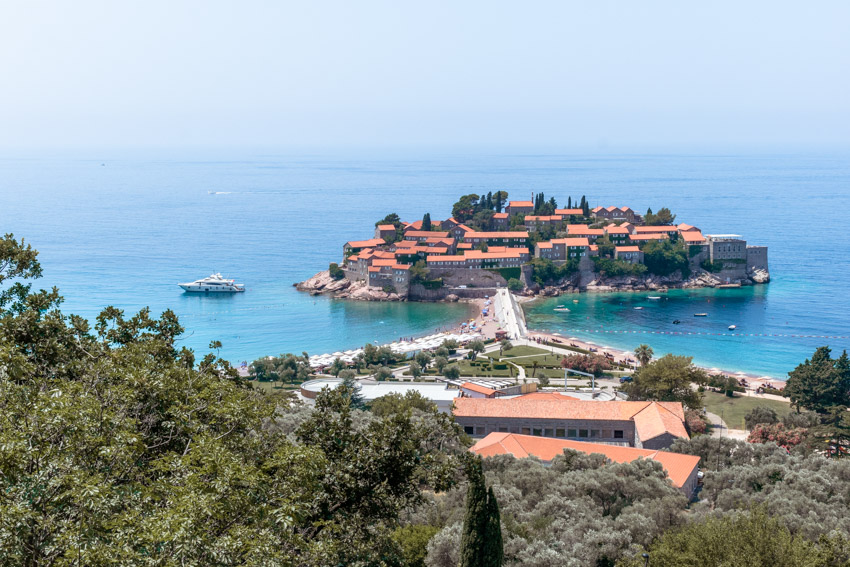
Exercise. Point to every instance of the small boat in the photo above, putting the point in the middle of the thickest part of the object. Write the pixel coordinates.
(732, 327)
(654, 297)
(638, 308)
(214, 283)
(676, 321)
(561, 309)
(700, 314)
(575, 300)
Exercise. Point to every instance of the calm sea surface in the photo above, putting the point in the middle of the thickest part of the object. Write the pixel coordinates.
(123, 229)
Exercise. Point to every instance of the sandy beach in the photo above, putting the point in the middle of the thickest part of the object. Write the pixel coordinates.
(753, 381)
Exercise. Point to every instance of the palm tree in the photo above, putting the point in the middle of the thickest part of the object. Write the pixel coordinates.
(644, 354)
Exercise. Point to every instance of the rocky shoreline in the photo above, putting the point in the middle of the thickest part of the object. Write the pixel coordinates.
(323, 284)
(648, 283)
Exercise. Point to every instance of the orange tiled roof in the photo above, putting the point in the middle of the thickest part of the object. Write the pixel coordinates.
(464, 246)
(686, 227)
(679, 467)
(429, 259)
(616, 230)
(495, 254)
(547, 244)
(384, 262)
(426, 233)
(478, 388)
(500, 216)
(626, 249)
(584, 229)
(366, 243)
(574, 242)
(374, 269)
(567, 212)
(520, 204)
(657, 417)
(692, 236)
(401, 267)
(386, 227)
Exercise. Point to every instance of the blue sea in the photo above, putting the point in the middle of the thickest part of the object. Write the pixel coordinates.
(123, 228)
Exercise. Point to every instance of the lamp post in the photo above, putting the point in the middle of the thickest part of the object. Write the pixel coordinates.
(645, 559)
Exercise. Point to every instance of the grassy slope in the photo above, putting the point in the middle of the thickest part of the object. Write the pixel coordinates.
(734, 409)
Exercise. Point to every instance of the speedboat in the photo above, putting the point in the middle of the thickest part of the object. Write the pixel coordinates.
(732, 327)
(638, 308)
(654, 297)
(562, 309)
(213, 283)
(700, 314)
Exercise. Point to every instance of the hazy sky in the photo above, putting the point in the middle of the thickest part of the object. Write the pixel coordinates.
(626, 74)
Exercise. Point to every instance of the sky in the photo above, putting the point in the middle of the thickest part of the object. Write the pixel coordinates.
(323, 74)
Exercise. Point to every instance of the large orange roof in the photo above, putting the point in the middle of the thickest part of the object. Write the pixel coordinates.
(616, 229)
(496, 254)
(383, 262)
(584, 229)
(520, 204)
(500, 216)
(692, 236)
(566, 212)
(626, 249)
(429, 259)
(366, 243)
(386, 227)
(679, 467)
(464, 246)
(426, 233)
(685, 227)
(655, 418)
(576, 242)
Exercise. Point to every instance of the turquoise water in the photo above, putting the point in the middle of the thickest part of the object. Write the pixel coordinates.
(123, 233)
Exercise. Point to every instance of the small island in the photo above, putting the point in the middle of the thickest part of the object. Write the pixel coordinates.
(535, 248)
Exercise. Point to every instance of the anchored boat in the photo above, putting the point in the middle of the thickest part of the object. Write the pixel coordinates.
(213, 284)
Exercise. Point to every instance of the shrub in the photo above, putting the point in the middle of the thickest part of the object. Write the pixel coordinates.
(760, 415)
(694, 422)
(335, 271)
(515, 285)
(778, 433)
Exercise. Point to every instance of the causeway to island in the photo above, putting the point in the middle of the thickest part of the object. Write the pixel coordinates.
(535, 248)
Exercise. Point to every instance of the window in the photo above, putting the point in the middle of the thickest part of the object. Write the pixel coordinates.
(538, 432)
(618, 434)
(594, 433)
(548, 433)
(560, 433)
(526, 431)
(468, 430)
(514, 429)
(572, 433)
(479, 431)
(606, 433)
(503, 430)
(582, 432)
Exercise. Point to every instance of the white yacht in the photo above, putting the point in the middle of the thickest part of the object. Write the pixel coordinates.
(214, 283)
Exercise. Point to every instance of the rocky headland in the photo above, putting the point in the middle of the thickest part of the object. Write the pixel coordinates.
(323, 284)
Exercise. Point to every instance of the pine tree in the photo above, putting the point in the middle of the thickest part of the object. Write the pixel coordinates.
(426, 222)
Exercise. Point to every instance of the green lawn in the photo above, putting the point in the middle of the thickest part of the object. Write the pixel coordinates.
(466, 369)
(734, 409)
(517, 351)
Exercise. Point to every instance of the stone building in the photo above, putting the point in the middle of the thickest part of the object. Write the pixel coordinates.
(519, 208)
(630, 254)
(562, 249)
(614, 213)
(649, 425)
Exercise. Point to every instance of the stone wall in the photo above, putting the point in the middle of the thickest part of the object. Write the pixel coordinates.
(418, 292)
(757, 258)
(463, 276)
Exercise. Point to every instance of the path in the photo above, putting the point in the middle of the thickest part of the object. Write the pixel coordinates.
(720, 429)
(509, 314)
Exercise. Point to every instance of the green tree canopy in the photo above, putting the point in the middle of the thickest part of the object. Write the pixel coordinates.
(821, 383)
(668, 379)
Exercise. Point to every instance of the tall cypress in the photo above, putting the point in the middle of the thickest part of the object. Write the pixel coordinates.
(475, 521)
(481, 539)
(493, 551)
(426, 222)
(569, 202)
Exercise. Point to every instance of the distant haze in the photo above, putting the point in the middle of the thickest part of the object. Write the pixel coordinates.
(590, 75)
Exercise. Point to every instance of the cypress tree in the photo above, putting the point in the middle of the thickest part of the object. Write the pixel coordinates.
(493, 551)
(498, 201)
(569, 202)
(481, 538)
(475, 521)
(426, 222)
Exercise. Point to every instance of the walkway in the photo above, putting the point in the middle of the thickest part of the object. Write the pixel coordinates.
(719, 428)
(509, 314)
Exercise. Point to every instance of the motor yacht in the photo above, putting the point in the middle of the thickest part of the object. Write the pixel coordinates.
(213, 284)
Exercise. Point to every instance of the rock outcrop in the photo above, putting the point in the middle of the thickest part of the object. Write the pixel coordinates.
(323, 284)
